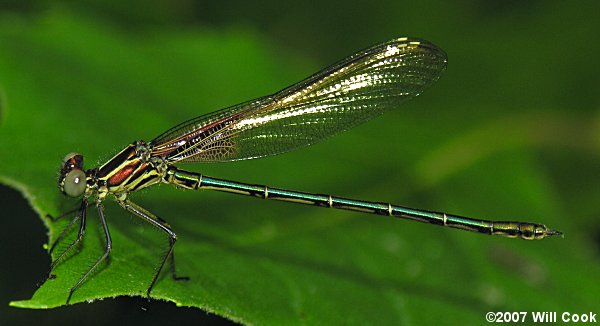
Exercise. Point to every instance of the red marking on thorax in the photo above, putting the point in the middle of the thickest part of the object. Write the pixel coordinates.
(122, 175)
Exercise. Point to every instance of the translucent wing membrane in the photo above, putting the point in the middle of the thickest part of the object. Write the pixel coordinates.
(340, 97)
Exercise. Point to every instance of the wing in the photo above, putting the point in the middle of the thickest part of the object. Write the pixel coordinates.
(337, 98)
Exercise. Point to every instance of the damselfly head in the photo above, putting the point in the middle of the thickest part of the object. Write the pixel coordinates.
(72, 180)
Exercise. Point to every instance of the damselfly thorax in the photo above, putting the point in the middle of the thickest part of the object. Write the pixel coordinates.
(131, 169)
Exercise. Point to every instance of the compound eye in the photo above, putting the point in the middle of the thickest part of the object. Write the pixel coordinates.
(70, 156)
(74, 183)
(73, 161)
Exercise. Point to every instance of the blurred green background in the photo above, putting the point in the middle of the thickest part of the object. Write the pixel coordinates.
(511, 131)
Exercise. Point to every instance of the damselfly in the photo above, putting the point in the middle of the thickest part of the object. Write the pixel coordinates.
(340, 97)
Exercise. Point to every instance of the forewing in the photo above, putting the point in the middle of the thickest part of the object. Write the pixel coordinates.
(340, 97)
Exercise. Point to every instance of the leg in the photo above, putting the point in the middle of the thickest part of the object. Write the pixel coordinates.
(102, 258)
(161, 225)
(67, 213)
(82, 213)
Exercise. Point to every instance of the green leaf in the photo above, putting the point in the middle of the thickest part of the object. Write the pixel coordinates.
(72, 84)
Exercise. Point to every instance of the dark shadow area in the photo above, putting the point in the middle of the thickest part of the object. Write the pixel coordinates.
(25, 262)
